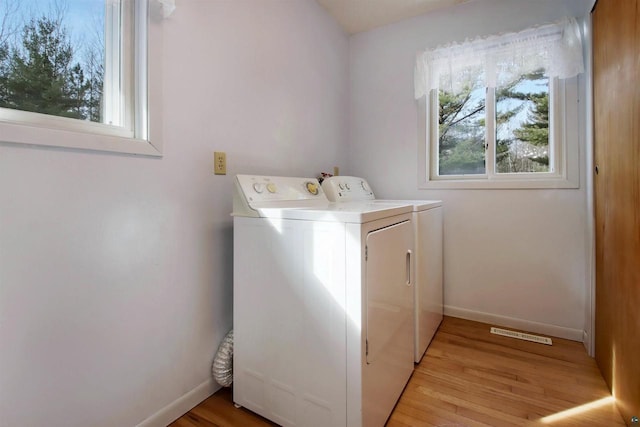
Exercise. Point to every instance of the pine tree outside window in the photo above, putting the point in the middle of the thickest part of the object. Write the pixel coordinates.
(496, 108)
(521, 142)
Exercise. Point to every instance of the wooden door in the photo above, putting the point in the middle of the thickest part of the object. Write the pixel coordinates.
(616, 68)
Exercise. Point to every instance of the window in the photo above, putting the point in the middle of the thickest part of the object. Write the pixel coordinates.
(503, 129)
(74, 74)
(497, 110)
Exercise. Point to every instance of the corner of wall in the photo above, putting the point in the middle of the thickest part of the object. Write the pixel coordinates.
(586, 341)
(181, 406)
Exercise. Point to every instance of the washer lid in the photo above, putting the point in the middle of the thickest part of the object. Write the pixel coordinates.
(303, 199)
(351, 212)
(418, 205)
(352, 188)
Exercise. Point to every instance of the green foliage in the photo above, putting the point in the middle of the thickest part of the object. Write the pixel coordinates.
(532, 136)
(536, 130)
(40, 74)
(4, 56)
(461, 125)
(466, 158)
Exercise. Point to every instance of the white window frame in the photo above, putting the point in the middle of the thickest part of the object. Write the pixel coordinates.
(564, 141)
(127, 100)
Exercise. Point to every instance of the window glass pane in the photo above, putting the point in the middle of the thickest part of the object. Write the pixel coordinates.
(461, 130)
(522, 125)
(52, 57)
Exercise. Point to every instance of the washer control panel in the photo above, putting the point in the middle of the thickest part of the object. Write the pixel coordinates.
(347, 188)
(278, 188)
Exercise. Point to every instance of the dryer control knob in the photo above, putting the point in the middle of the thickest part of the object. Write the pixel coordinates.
(271, 187)
(258, 188)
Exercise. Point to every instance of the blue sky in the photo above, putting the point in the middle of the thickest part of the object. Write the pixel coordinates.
(81, 16)
(83, 19)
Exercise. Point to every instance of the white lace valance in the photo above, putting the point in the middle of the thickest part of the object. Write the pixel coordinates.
(500, 59)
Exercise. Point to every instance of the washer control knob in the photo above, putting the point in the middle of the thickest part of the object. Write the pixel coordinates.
(347, 187)
(258, 188)
(271, 187)
(312, 188)
(341, 186)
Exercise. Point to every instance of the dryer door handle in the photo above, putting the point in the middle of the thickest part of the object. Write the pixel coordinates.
(408, 268)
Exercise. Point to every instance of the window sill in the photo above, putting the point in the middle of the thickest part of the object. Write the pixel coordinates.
(45, 136)
(499, 184)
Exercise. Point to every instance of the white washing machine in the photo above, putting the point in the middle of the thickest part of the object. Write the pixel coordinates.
(427, 224)
(323, 304)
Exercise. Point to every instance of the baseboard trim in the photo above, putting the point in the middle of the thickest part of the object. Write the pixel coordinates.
(181, 406)
(511, 322)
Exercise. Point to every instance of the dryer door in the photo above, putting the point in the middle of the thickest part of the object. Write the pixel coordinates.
(389, 334)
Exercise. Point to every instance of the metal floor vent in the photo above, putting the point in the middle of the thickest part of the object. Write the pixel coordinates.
(521, 336)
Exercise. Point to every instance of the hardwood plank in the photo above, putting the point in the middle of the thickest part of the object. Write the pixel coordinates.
(525, 370)
(439, 412)
(192, 420)
(471, 378)
(219, 411)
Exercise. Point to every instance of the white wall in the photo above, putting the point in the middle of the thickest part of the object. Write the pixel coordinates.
(512, 257)
(116, 270)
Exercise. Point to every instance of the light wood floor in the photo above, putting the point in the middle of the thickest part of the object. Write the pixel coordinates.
(469, 377)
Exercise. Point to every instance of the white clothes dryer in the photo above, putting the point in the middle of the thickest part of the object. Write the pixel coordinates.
(428, 275)
(323, 304)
